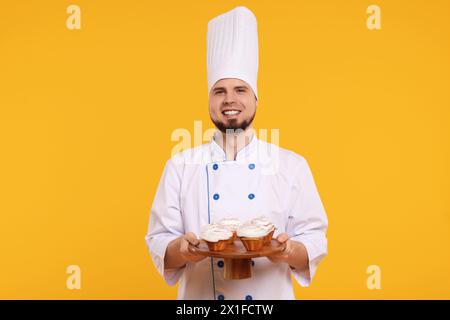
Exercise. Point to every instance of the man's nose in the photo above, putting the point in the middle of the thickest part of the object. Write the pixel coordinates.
(229, 98)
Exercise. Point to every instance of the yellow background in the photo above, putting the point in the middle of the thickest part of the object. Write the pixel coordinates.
(87, 115)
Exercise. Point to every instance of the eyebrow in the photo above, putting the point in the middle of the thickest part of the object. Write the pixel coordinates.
(223, 88)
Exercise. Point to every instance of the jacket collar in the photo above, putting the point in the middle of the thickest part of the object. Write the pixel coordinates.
(247, 153)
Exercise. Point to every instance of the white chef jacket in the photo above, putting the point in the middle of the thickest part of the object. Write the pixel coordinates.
(199, 186)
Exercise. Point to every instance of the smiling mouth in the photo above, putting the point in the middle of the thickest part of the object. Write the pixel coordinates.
(231, 112)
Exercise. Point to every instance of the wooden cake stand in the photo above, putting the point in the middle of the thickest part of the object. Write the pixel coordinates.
(238, 261)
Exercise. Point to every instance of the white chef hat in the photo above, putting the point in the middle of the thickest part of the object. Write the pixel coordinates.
(232, 47)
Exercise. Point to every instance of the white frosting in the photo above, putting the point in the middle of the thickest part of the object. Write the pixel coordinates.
(215, 233)
(251, 231)
(231, 224)
(211, 226)
(263, 222)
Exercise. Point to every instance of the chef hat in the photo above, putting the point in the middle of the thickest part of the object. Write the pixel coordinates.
(232, 47)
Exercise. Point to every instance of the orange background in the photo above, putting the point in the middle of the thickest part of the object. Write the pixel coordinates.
(87, 116)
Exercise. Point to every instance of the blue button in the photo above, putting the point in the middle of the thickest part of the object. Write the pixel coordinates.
(251, 196)
(220, 264)
(220, 297)
(251, 166)
(248, 297)
(215, 166)
(216, 196)
(253, 263)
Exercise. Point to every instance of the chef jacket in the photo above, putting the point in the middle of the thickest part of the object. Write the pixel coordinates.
(200, 186)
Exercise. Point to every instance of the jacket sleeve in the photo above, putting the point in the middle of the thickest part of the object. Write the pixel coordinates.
(166, 222)
(307, 221)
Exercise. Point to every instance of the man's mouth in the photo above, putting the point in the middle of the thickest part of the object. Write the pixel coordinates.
(231, 112)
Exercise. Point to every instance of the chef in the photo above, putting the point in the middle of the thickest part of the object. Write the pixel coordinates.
(236, 175)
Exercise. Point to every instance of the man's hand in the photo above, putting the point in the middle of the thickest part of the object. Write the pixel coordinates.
(177, 252)
(283, 255)
(190, 238)
(295, 254)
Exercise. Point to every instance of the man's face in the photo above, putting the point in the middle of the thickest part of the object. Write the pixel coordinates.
(232, 105)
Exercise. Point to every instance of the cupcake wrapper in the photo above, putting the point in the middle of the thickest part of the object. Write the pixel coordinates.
(252, 244)
(217, 246)
(268, 237)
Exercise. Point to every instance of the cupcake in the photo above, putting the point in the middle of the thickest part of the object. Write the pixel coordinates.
(216, 236)
(265, 223)
(231, 224)
(252, 236)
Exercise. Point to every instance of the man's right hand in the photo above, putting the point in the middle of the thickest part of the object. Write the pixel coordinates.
(186, 240)
(177, 252)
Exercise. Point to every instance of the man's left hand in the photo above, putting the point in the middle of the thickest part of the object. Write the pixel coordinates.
(283, 255)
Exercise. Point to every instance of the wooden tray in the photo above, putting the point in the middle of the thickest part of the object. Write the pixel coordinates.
(237, 250)
(237, 260)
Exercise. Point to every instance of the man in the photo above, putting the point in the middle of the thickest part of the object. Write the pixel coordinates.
(236, 175)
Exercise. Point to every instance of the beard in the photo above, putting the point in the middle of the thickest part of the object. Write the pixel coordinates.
(233, 125)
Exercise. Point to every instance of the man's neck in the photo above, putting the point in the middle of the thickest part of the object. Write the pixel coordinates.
(234, 142)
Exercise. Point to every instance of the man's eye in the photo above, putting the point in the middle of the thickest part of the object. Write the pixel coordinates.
(241, 90)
